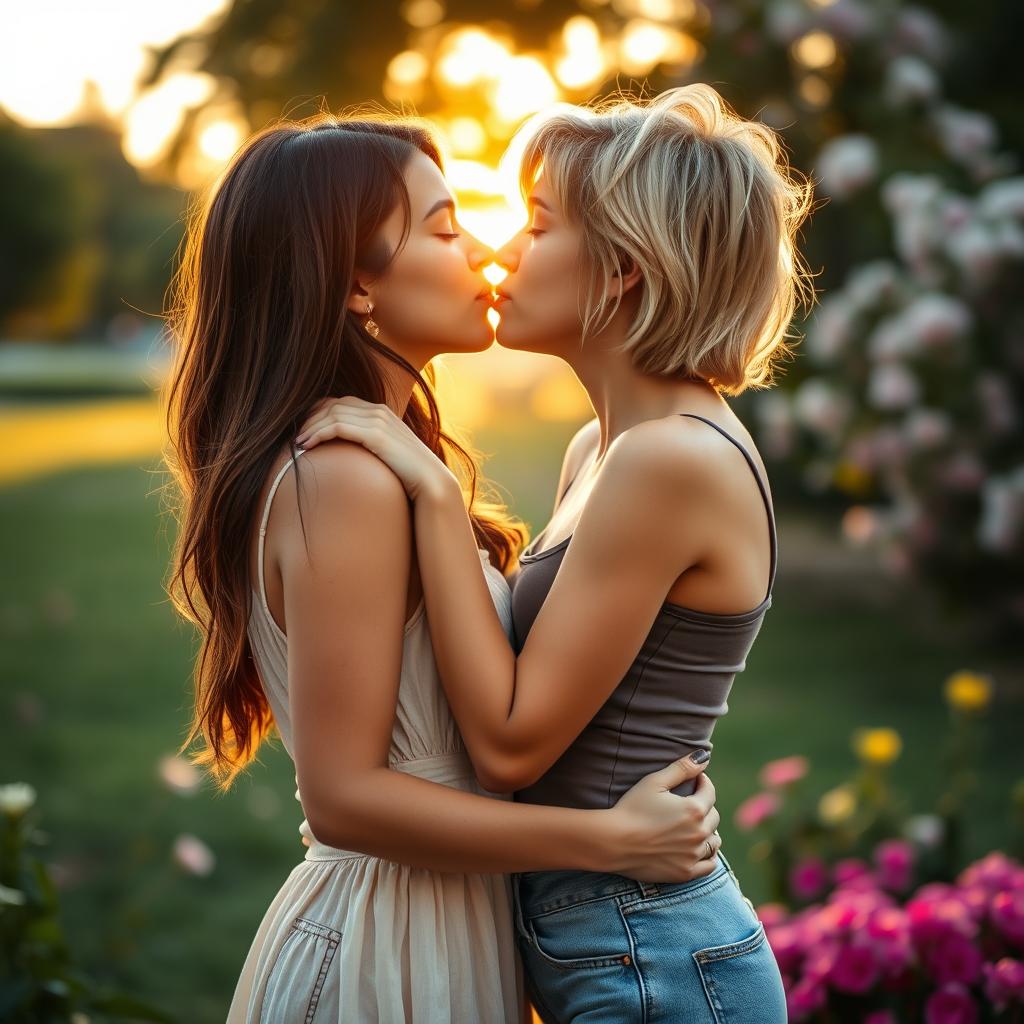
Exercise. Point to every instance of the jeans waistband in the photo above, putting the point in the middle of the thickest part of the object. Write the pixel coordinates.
(551, 890)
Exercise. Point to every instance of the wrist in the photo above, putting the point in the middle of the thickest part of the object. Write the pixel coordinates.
(440, 489)
(602, 842)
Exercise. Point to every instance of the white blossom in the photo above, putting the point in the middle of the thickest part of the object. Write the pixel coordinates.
(964, 134)
(846, 164)
(892, 386)
(910, 80)
(821, 407)
(192, 854)
(16, 798)
(935, 319)
(1003, 198)
(928, 428)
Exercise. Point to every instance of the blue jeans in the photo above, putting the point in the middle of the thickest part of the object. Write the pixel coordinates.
(606, 949)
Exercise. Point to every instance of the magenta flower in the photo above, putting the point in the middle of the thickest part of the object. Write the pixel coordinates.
(1004, 982)
(807, 996)
(783, 772)
(889, 933)
(951, 1004)
(953, 958)
(894, 864)
(880, 1017)
(772, 914)
(808, 878)
(756, 809)
(995, 872)
(855, 970)
(1007, 913)
(849, 869)
(787, 946)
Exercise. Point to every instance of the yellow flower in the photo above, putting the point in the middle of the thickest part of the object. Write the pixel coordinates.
(968, 691)
(877, 746)
(851, 478)
(837, 805)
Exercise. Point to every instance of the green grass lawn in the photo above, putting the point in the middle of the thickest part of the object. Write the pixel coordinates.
(93, 691)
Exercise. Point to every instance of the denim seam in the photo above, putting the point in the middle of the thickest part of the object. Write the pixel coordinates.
(668, 898)
(646, 999)
(547, 909)
(731, 949)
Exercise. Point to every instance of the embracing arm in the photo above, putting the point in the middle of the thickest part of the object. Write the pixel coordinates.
(637, 533)
(519, 715)
(344, 658)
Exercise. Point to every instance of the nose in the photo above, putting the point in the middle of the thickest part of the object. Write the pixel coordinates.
(507, 257)
(478, 253)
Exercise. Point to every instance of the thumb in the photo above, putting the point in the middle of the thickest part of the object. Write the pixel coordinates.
(685, 768)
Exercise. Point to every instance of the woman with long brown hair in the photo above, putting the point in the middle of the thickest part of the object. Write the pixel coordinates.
(325, 261)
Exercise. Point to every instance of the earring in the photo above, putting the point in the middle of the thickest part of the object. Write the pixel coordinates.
(371, 326)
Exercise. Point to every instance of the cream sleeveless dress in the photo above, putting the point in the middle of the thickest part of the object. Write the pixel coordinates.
(351, 938)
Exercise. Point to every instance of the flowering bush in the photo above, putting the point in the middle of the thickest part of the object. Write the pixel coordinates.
(950, 954)
(38, 981)
(871, 918)
(908, 403)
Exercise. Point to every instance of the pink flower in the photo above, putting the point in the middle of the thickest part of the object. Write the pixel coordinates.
(192, 854)
(849, 869)
(855, 969)
(808, 878)
(807, 996)
(787, 946)
(954, 958)
(889, 933)
(772, 914)
(995, 872)
(951, 1004)
(783, 772)
(894, 861)
(1004, 982)
(932, 915)
(757, 809)
(1007, 913)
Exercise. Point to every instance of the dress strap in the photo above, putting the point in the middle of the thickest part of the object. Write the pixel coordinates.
(263, 526)
(761, 486)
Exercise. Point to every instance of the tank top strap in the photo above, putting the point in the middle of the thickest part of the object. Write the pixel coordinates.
(263, 527)
(761, 486)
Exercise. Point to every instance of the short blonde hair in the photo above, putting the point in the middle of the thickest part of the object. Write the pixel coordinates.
(706, 204)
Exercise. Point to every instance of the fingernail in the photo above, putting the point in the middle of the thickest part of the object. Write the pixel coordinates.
(700, 756)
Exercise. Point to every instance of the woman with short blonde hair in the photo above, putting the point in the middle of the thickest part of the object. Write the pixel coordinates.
(660, 263)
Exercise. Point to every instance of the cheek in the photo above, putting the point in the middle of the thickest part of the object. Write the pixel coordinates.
(547, 282)
(425, 300)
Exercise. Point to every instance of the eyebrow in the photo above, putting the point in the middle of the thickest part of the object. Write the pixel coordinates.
(440, 205)
(538, 202)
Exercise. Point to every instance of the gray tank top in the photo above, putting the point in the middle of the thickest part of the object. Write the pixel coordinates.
(670, 698)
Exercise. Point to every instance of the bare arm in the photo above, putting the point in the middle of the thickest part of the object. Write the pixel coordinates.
(637, 534)
(345, 650)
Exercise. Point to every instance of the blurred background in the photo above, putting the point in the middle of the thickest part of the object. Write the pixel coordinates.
(888, 672)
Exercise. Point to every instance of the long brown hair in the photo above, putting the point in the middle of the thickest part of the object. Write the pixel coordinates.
(259, 314)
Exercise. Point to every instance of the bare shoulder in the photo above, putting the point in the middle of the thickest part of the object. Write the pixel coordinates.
(664, 455)
(345, 472)
(345, 493)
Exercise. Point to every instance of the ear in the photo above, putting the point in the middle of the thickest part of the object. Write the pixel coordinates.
(360, 297)
(628, 272)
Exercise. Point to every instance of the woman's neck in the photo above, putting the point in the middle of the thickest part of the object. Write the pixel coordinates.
(623, 396)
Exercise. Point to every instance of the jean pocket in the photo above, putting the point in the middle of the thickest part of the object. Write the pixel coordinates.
(742, 980)
(300, 980)
(581, 936)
